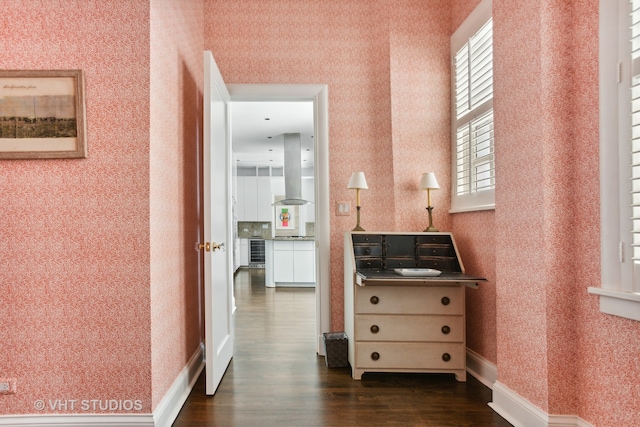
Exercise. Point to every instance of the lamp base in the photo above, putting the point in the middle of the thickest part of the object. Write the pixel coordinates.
(430, 227)
(358, 228)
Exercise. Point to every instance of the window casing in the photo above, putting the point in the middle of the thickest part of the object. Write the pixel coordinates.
(473, 158)
(620, 158)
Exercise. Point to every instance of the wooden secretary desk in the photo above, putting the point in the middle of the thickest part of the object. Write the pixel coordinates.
(399, 316)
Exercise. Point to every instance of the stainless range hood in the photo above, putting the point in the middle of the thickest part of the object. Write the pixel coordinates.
(292, 172)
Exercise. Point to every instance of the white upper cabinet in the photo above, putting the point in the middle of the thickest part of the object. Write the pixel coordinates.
(255, 193)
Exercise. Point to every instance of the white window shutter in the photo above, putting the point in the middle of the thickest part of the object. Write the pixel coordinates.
(474, 141)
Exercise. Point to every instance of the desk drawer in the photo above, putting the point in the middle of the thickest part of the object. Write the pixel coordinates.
(367, 238)
(367, 251)
(434, 239)
(436, 356)
(366, 263)
(441, 263)
(409, 300)
(391, 263)
(390, 327)
(435, 250)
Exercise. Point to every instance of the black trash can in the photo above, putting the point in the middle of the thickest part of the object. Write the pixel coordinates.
(336, 349)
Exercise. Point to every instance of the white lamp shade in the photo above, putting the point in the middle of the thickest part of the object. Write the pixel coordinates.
(358, 181)
(429, 181)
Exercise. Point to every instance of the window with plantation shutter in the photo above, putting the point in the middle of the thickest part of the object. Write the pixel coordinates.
(619, 86)
(634, 136)
(473, 162)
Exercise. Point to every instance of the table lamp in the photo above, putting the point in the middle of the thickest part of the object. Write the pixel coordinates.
(428, 182)
(358, 182)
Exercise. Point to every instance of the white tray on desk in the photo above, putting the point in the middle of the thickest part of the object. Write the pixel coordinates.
(417, 272)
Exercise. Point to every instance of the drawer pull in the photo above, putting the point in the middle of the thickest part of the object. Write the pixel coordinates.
(375, 355)
(375, 329)
(445, 329)
(374, 300)
(445, 300)
(446, 357)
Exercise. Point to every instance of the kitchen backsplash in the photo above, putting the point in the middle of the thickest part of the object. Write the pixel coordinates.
(310, 229)
(249, 230)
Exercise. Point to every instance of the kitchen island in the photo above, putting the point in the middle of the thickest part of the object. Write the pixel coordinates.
(290, 261)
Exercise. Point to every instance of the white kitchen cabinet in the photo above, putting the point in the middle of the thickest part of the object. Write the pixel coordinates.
(304, 261)
(283, 262)
(250, 198)
(293, 262)
(244, 252)
(240, 212)
(264, 198)
(254, 198)
(247, 206)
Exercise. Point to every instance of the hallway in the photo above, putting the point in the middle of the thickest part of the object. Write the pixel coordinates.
(276, 379)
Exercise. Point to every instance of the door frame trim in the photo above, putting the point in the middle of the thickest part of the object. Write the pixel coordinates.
(320, 96)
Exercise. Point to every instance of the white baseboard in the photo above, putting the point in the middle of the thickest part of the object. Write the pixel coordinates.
(481, 369)
(522, 413)
(75, 420)
(164, 415)
(169, 407)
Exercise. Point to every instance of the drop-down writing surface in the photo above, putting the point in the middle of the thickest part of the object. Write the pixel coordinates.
(373, 277)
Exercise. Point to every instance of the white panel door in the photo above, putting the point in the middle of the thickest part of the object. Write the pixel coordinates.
(218, 262)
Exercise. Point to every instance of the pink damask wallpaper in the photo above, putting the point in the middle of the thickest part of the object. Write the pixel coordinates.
(97, 266)
(177, 39)
(554, 347)
(98, 277)
(367, 52)
(539, 249)
(74, 269)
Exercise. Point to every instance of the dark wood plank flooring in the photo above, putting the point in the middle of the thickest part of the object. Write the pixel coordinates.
(277, 379)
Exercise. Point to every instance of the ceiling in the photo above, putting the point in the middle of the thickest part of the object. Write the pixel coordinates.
(257, 129)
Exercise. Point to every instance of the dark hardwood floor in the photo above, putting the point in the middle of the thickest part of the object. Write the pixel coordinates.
(277, 379)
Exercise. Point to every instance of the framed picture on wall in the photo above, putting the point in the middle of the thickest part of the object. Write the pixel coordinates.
(42, 114)
(286, 217)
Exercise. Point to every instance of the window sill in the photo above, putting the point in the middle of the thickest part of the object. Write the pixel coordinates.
(478, 201)
(473, 209)
(618, 303)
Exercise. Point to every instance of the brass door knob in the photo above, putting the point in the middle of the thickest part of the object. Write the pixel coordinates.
(200, 246)
(210, 246)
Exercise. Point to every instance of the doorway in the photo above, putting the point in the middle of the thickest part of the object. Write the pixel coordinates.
(319, 96)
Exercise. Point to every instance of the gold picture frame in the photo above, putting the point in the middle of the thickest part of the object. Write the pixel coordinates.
(42, 114)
